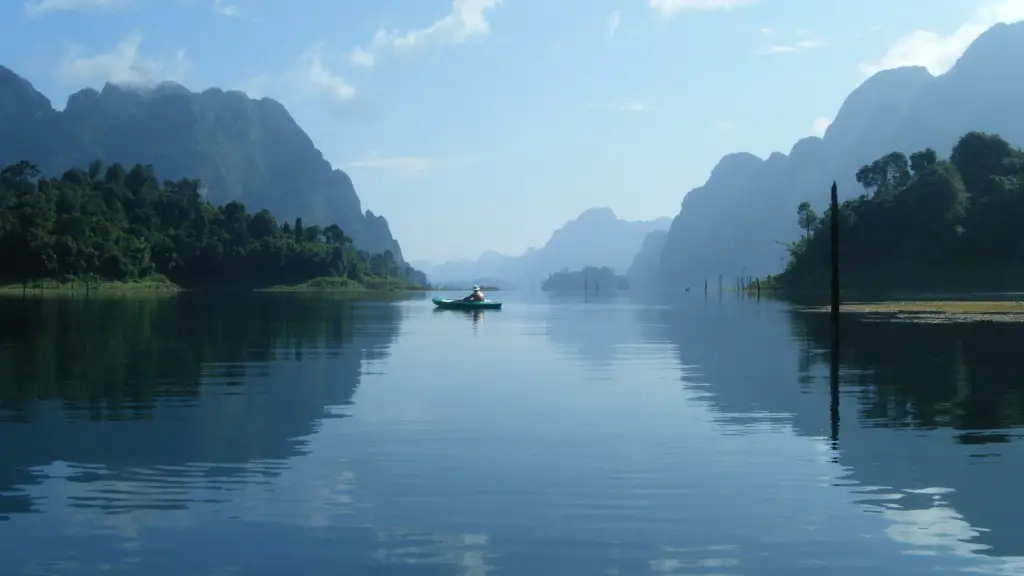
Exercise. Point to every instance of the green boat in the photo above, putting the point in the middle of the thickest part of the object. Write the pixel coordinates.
(449, 304)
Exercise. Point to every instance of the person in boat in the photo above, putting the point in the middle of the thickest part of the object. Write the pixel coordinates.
(476, 296)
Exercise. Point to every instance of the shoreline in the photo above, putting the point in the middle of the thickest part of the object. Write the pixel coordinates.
(162, 286)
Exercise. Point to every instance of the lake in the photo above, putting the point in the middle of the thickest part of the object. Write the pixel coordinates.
(316, 434)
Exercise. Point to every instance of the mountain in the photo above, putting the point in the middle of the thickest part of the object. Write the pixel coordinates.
(597, 237)
(648, 258)
(739, 221)
(242, 149)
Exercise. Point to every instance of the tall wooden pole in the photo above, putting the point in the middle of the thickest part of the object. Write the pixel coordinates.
(834, 313)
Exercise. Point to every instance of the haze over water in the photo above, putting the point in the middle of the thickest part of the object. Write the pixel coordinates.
(309, 434)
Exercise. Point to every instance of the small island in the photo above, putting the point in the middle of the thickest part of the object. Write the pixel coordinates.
(588, 280)
(105, 225)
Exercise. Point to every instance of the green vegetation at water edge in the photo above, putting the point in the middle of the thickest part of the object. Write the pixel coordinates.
(590, 279)
(922, 224)
(113, 228)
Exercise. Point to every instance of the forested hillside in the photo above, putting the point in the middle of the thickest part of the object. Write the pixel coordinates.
(923, 224)
(106, 222)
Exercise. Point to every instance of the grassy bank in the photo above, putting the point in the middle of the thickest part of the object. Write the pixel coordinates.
(340, 284)
(934, 311)
(151, 284)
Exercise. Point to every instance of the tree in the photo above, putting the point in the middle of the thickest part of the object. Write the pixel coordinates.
(922, 160)
(978, 156)
(885, 174)
(807, 218)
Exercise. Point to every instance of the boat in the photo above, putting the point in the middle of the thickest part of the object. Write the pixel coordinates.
(450, 304)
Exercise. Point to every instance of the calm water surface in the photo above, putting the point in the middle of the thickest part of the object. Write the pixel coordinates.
(304, 434)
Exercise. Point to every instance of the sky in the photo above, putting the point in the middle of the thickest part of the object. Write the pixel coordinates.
(487, 124)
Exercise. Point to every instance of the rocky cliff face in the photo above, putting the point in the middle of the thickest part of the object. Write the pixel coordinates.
(242, 149)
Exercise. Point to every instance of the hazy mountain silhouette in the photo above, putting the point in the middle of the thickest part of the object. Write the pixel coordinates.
(242, 149)
(647, 260)
(737, 223)
(597, 237)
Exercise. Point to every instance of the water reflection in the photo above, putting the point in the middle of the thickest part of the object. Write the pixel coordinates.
(598, 331)
(185, 390)
(476, 316)
(950, 399)
(929, 412)
(606, 437)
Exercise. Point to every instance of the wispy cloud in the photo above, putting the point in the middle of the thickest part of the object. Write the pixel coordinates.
(809, 42)
(669, 8)
(224, 8)
(36, 7)
(310, 76)
(767, 31)
(321, 78)
(869, 31)
(407, 166)
(467, 19)
(614, 19)
(938, 52)
(123, 65)
(360, 57)
(257, 86)
(820, 125)
(725, 125)
(631, 106)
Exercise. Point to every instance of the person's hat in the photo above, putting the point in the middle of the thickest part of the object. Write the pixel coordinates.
(475, 288)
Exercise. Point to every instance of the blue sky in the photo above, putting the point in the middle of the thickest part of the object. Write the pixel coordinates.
(486, 124)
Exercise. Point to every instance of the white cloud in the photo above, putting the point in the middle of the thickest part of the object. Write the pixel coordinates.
(768, 31)
(725, 125)
(614, 19)
(467, 19)
(819, 126)
(799, 46)
(225, 8)
(938, 53)
(321, 78)
(360, 57)
(36, 7)
(123, 65)
(669, 8)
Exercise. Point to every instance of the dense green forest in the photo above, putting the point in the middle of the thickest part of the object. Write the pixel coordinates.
(108, 223)
(589, 279)
(922, 224)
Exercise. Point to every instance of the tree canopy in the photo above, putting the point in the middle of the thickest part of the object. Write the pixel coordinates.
(923, 223)
(106, 222)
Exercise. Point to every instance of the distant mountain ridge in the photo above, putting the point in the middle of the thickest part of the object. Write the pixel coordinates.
(597, 237)
(241, 148)
(738, 222)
